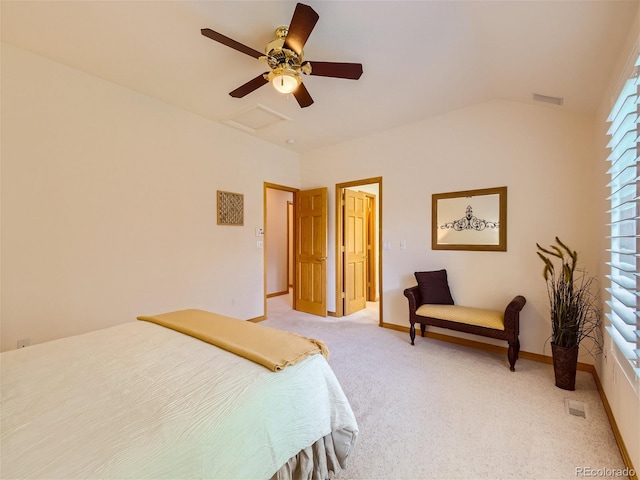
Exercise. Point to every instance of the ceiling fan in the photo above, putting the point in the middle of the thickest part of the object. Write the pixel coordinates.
(285, 58)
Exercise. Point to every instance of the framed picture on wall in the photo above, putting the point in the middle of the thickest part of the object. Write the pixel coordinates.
(230, 208)
(470, 220)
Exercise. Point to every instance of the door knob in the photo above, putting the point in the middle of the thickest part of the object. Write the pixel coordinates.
(321, 259)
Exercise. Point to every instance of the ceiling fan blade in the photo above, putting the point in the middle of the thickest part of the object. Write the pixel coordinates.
(229, 42)
(249, 87)
(302, 23)
(352, 71)
(302, 96)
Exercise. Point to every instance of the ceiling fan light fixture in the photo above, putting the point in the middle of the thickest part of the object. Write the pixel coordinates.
(285, 59)
(284, 79)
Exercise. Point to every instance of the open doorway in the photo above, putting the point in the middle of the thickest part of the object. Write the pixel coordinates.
(308, 251)
(358, 252)
(278, 243)
(281, 230)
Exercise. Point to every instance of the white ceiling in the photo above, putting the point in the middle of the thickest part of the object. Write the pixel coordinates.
(420, 58)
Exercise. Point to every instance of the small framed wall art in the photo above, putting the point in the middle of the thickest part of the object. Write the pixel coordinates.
(230, 208)
(470, 220)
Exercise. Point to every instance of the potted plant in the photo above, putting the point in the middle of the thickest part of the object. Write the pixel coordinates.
(575, 315)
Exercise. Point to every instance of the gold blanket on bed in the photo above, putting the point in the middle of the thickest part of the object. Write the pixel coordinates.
(272, 348)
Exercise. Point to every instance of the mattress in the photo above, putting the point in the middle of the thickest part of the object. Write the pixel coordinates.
(141, 401)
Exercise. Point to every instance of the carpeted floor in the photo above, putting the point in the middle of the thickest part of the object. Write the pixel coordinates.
(442, 411)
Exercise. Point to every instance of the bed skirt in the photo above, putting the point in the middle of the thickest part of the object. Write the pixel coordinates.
(320, 461)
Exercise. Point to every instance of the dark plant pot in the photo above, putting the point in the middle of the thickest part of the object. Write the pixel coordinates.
(565, 362)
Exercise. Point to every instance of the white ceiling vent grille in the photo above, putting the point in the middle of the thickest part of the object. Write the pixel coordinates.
(256, 119)
(547, 99)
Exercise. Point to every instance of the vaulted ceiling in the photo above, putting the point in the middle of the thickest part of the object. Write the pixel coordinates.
(420, 58)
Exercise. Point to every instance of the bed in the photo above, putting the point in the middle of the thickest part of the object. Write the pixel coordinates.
(140, 400)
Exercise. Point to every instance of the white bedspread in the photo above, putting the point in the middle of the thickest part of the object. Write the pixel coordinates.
(141, 401)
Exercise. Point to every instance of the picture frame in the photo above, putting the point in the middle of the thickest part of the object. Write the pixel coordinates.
(230, 208)
(470, 220)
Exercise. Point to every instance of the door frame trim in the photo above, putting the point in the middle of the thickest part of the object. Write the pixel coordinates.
(339, 238)
(372, 290)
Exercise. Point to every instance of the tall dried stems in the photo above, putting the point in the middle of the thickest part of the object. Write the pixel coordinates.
(575, 315)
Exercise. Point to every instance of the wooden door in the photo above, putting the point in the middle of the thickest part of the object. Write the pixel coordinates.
(355, 251)
(310, 289)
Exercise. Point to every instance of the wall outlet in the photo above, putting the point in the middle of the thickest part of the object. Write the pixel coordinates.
(25, 342)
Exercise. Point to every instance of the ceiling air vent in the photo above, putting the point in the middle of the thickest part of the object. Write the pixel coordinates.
(547, 99)
(256, 119)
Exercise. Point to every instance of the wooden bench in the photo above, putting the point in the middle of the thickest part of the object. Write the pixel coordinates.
(487, 323)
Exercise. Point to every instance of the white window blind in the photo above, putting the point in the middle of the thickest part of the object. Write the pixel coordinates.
(625, 221)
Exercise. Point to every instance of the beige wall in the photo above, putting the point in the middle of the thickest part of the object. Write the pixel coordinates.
(542, 154)
(109, 205)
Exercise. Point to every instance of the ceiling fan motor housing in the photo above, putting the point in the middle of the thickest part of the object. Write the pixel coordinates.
(276, 55)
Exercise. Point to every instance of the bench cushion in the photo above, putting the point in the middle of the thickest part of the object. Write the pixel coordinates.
(468, 315)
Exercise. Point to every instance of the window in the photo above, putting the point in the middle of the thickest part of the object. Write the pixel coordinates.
(625, 222)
